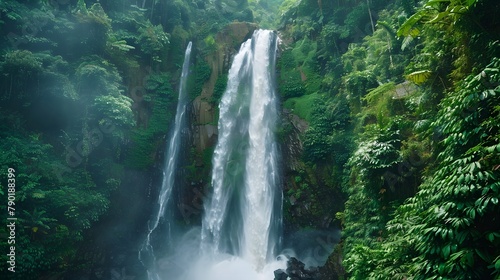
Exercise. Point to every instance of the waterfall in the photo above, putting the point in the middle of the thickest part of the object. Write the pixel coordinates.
(244, 214)
(146, 253)
(240, 231)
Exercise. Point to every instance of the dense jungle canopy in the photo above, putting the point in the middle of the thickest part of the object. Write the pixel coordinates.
(389, 128)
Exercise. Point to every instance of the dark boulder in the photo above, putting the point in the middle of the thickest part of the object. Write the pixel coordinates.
(296, 271)
(280, 274)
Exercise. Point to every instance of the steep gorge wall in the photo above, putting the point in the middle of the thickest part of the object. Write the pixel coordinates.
(205, 116)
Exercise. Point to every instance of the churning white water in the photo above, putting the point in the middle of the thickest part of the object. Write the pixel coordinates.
(147, 251)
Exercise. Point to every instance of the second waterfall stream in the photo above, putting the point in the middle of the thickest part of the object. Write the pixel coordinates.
(148, 254)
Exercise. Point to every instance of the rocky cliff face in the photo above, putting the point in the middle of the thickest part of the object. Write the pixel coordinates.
(205, 112)
(292, 144)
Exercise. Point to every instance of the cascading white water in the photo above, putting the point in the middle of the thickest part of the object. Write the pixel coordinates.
(242, 218)
(146, 252)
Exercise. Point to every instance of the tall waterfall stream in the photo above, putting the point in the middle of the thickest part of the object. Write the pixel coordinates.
(243, 217)
(147, 253)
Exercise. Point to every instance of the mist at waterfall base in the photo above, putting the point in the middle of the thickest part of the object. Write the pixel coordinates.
(312, 247)
(241, 228)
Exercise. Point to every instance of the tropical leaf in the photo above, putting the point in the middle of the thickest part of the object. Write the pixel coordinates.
(408, 27)
(439, 17)
(122, 45)
(419, 77)
(470, 2)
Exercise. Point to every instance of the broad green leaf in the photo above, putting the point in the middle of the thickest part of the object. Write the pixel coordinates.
(470, 259)
(438, 17)
(472, 213)
(494, 200)
(408, 27)
(490, 236)
(441, 269)
(419, 77)
(446, 251)
(470, 2)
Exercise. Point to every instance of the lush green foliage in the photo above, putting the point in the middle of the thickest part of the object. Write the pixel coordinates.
(409, 172)
(421, 180)
(219, 88)
(54, 204)
(66, 118)
(201, 73)
(441, 232)
(453, 218)
(160, 102)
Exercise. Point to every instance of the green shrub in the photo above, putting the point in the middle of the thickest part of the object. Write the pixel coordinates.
(302, 106)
